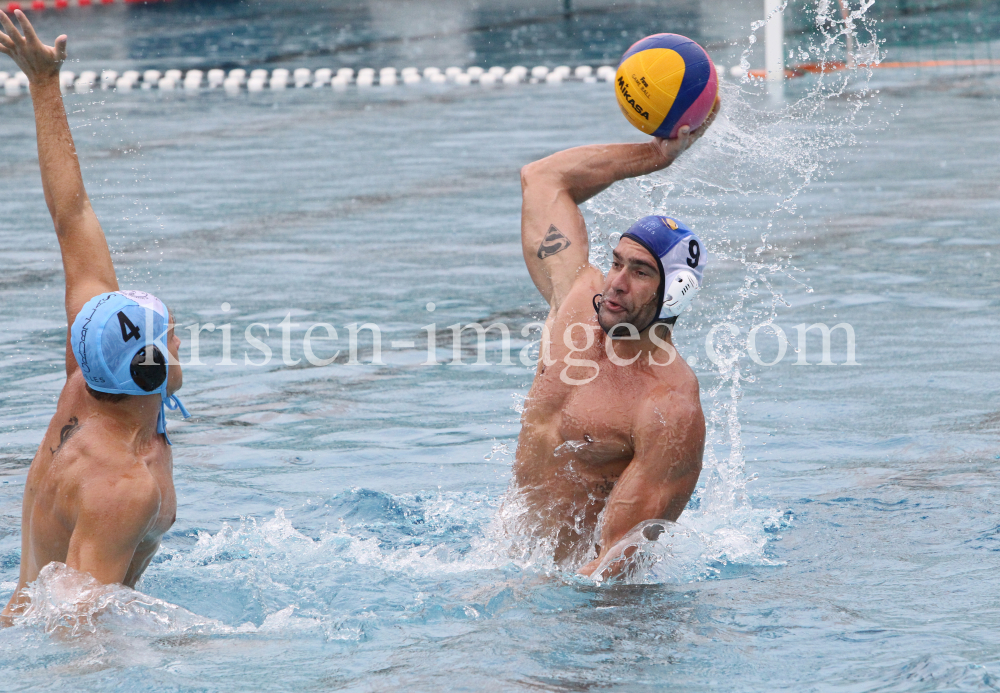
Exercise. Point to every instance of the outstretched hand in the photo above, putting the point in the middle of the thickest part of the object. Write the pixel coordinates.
(35, 59)
(671, 149)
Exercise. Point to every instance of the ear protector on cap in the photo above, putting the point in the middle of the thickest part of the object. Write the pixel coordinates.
(678, 293)
(148, 376)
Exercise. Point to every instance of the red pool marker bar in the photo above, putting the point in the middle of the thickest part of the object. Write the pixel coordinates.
(39, 5)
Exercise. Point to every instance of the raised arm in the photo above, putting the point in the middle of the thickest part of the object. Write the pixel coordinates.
(669, 443)
(553, 235)
(86, 258)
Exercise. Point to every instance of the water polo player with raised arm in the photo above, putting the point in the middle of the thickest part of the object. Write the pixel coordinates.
(612, 432)
(100, 493)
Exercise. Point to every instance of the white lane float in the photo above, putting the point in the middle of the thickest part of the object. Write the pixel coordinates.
(387, 77)
(11, 87)
(410, 75)
(85, 82)
(150, 78)
(192, 79)
(280, 78)
(322, 77)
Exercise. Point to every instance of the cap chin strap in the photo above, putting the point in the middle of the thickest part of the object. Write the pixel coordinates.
(171, 402)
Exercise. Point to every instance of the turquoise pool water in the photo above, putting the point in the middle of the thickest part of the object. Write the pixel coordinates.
(337, 526)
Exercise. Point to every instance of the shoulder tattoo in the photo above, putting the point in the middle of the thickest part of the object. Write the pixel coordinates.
(66, 433)
(554, 242)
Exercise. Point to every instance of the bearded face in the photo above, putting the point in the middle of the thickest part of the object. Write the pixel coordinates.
(631, 289)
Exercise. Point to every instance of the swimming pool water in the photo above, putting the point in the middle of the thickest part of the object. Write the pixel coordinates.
(336, 526)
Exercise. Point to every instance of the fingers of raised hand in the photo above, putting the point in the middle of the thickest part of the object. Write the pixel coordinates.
(10, 30)
(29, 31)
(60, 46)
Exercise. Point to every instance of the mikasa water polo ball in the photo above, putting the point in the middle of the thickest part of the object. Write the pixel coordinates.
(664, 82)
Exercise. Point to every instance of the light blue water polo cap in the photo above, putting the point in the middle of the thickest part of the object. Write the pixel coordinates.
(119, 341)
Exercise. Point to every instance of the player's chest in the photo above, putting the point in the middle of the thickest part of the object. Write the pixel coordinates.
(593, 422)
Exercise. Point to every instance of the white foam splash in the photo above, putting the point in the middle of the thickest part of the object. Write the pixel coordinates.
(72, 604)
(737, 188)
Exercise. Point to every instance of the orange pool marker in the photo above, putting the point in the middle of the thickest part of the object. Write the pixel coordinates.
(814, 68)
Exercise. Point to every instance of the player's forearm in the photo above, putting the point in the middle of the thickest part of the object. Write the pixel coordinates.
(585, 171)
(61, 179)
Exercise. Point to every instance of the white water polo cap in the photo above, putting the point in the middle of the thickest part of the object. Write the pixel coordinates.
(119, 341)
(680, 257)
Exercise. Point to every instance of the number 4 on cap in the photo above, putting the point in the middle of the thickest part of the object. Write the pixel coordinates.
(128, 329)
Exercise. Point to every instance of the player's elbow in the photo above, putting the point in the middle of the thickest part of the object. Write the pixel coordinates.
(67, 218)
(529, 173)
(536, 175)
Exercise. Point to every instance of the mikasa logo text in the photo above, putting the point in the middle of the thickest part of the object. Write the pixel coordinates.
(628, 97)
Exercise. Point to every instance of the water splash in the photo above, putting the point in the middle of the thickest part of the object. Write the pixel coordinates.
(738, 188)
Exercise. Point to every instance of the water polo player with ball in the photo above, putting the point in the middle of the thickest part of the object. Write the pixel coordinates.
(100, 493)
(612, 430)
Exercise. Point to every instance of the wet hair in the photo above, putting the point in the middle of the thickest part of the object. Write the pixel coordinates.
(113, 397)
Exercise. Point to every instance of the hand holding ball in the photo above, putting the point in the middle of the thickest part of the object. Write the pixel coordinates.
(664, 82)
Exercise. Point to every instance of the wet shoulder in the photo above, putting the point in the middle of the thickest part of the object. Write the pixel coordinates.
(675, 385)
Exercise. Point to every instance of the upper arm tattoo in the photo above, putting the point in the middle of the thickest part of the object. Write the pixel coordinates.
(554, 242)
(67, 431)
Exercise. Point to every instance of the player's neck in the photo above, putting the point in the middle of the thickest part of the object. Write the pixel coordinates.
(645, 345)
(136, 416)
